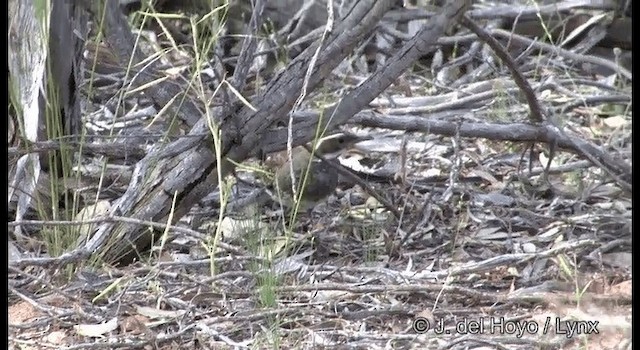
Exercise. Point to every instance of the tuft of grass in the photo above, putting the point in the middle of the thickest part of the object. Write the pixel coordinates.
(58, 203)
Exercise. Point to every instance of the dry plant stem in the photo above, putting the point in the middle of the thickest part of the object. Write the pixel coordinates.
(81, 253)
(120, 38)
(421, 220)
(109, 149)
(514, 11)
(188, 166)
(617, 170)
(564, 53)
(596, 255)
(536, 113)
(362, 18)
(485, 265)
(402, 174)
(516, 132)
(53, 312)
(531, 44)
(44, 282)
(479, 94)
(510, 11)
(245, 58)
(301, 97)
(249, 46)
(423, 43)
(475, 341)
(454, 174)
(359, 98)
(128, 343)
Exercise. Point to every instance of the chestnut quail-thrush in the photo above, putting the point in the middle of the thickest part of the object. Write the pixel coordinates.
(321, 179)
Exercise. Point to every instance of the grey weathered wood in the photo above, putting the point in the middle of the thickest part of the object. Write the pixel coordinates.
(45, 80)
(121, 39)
(27, 54)
(188, 167)
(67, 32)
